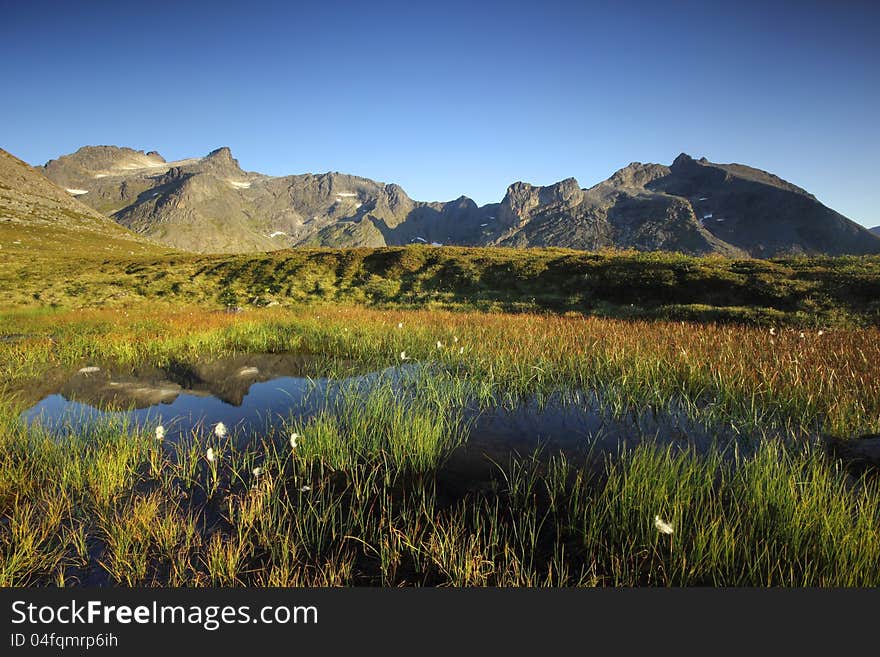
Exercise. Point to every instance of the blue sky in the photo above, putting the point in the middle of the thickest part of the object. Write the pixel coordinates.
(456, 98)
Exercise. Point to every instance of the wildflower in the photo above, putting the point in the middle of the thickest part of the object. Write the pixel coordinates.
(461, 350)
(258, 472)
(305, 489)
(802, 335)
(772, 331)
(220, 430)
(403, 356)
(662, 527)
(455, 338)
(821, 332)
(210, 455)
(439, 344)
(293, 438)
(399, 324)
(160, 432)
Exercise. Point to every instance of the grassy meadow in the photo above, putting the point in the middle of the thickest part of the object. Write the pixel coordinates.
(69, 269)
(368, 493)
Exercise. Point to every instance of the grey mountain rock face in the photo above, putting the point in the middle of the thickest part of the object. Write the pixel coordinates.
(876, 230)
(29, 201)
(694, 206)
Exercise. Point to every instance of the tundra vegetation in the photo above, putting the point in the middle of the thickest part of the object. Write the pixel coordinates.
(366, 491)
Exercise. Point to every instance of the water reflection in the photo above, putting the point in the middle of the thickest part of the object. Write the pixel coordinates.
(247, 393)
(254, 393)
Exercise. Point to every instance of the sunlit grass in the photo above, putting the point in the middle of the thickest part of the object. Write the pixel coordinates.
(362, 495)
(729, 371)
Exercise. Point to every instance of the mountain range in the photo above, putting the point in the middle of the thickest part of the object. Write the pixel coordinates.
(38, 217)
(209, 204)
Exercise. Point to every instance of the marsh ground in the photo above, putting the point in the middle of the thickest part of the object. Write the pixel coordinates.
(374, 492)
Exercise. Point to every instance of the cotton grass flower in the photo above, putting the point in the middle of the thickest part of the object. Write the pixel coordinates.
(257, 472)
(439, 344)
(772, 331)
(210, 455)
(160, 432)
(220, 430)
(403, 356)
(400, 325)
(294, 437)
(662, 526)
(305, 489)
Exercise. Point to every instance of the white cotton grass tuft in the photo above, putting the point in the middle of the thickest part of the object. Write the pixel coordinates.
(258, 472)
(400, 325)
(294, 437)
(210, 455)
(772, 331)
(220, 430)
(439, 344)
(160, 432)
(662, 526)
(403, 356)
(305, 489)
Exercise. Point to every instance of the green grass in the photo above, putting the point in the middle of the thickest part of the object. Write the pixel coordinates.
(371, 494)
(776, 517)
(360, 425)
(717, 372)
(806, 292)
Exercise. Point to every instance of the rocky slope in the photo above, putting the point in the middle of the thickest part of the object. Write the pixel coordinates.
(210, 204)
(693, 206)
(876, 230)
(33, 209)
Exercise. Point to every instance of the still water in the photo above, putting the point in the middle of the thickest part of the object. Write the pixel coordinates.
(254, 393)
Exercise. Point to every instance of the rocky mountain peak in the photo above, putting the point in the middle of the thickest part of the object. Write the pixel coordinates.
(221, 160)
(565, 189)
(463, 203)
(693, 206)
(523, 194)
(105, 158)
(520, 195)
(521, 198)
(222, 154)
(683, 161)
(394, 195)
(28, 198)
(636, 174)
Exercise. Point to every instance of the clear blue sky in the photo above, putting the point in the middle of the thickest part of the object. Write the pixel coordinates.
(449, 98)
